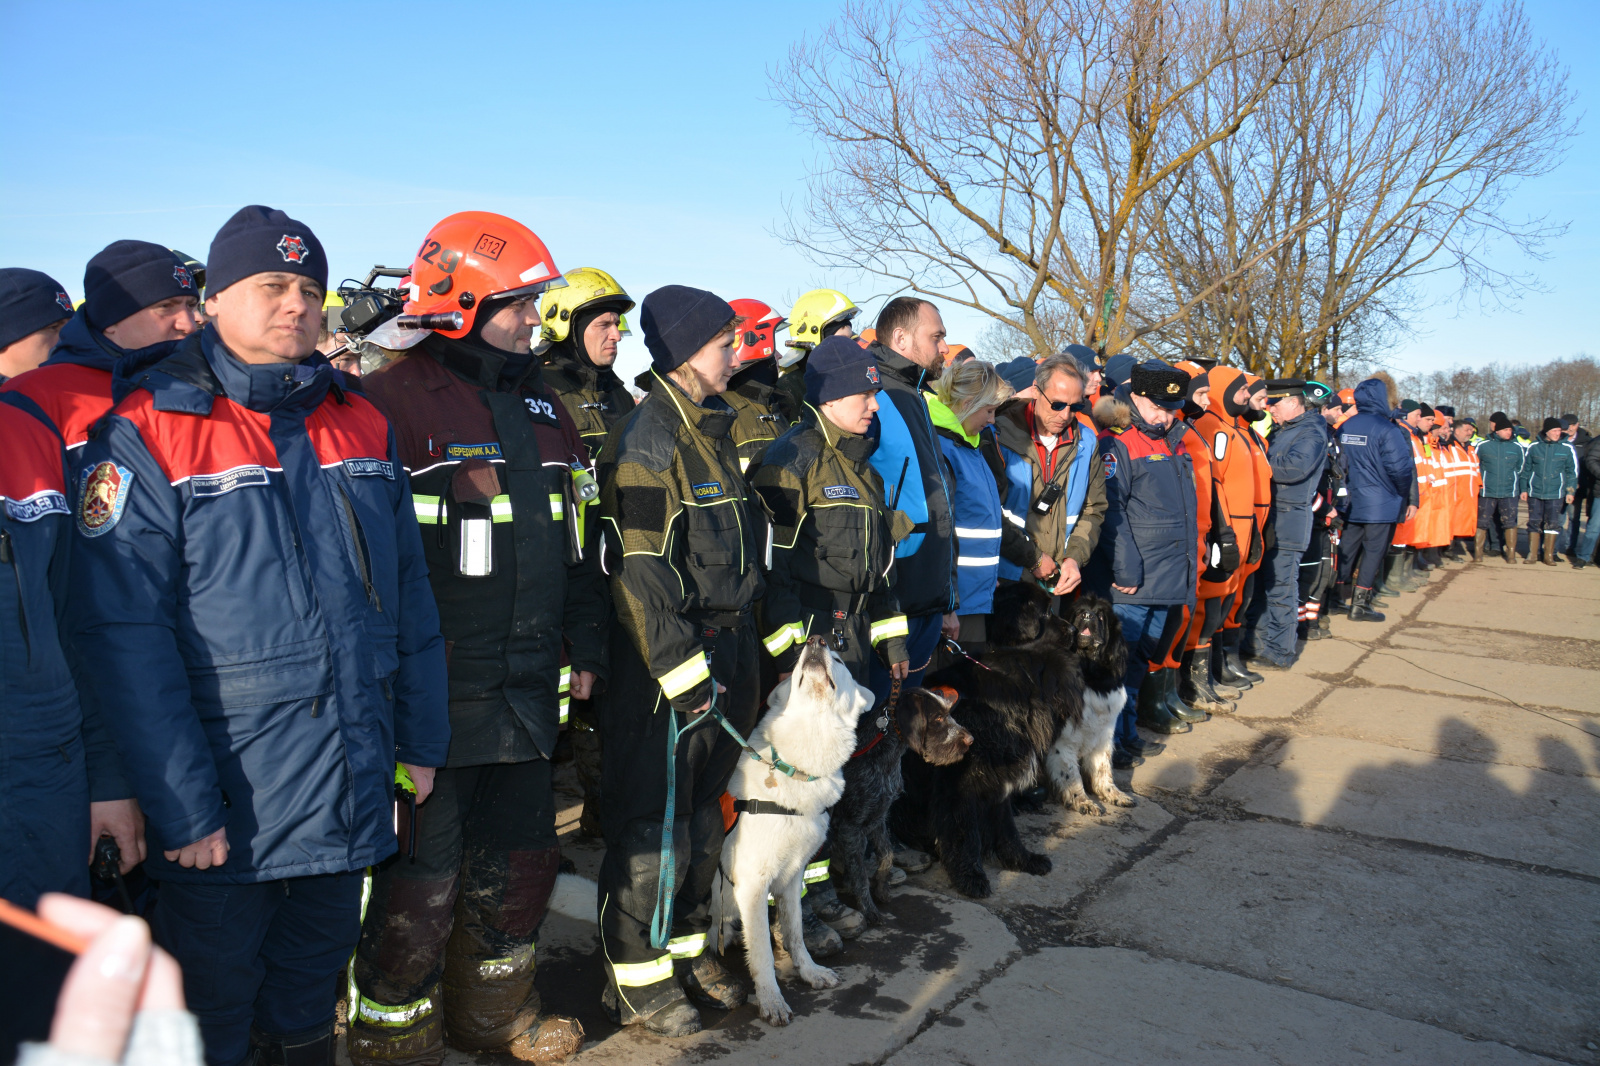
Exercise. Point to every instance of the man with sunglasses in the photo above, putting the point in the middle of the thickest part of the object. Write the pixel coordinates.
(1053, 490)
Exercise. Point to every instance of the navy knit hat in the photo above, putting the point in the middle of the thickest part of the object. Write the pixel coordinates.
(125, 277)
(30, 300)
(1085, 357)
(1119, 369)
(260, 240)
(1020, 372)
(1499, 421)
(838, 367)
(1163, 385)
(1550, 422)
(678, 321)
(1448, 412)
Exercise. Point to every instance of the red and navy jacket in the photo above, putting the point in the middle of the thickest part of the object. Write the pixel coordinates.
(83, 377)
(49, 751)
(1149, 540)
(249, 583)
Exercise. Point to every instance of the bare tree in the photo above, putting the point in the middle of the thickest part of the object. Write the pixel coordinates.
(1530, 392)
(1004, 154)
(1402, 138)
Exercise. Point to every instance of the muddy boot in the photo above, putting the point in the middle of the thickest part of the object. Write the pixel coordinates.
(1173, 702)
(1477, 545)
(1151, 710)
(834, 912)
(1324, 625)
(1237, 670)
(708, 982)
(398, 1034)
(555, 1039)
(1508, 549)
(910, 859)
(1361, 607)
(677, 1018)
(1406, 578)
(1550, 558)
(821, 939)
(1194, 683)
(1386, 575)
(1533, 548)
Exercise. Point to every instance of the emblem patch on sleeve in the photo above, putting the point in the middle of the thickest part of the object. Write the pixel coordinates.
(1111, 465)
(104, 494)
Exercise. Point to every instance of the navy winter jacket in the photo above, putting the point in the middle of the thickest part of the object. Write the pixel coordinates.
(1298, 453)
(1550, 471)
(1149, 541)
(249, 582)
(1501, 462)
(1380, 473)
(49, 752)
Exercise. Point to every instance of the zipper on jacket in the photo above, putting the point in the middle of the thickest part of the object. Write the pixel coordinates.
(361, 552)
(8, 554)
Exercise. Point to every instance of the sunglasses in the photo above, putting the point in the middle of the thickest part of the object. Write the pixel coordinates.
(1058, 405)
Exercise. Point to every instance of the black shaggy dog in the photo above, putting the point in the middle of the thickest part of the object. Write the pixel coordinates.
(1015, 702)
(862, 854)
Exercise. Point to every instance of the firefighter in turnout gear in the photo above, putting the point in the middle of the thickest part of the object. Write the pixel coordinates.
(682, 543)
(815, 316)
(582, 324)
(763, 410)
(447, 945)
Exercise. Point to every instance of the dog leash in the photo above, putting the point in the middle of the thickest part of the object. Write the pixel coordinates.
(885, 720)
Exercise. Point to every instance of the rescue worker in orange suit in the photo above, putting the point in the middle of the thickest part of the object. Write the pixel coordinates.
(1215, 571)
(447, 945)
(1235, 535)
(1409, 572)
(1230, 666)
(1471, 486)
(1436, 533)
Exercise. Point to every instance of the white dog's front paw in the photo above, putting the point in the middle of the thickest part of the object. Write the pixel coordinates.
(820, 977)
(1122, 799)
(774, 1010)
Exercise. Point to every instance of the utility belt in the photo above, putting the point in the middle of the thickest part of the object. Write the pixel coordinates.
(722, 619)
(837, 607)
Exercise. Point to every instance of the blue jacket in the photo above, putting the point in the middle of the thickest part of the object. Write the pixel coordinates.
(1380, 474)
(926, 558)
(1298, 453)
(1550, 471)
(249, 582)
(975, 502)
(44, 782)
(1149, 541)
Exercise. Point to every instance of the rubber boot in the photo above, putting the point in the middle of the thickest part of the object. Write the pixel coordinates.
(1550, 549)
(1533, 548)
(708, 982)
(1194, 683)
(1361, 607)
(1386, 574)
(1406, 576)
(1151, 711)
(408, 1034)
(1325, 624)
(1509, 548)
(1477, 545)
(1223, 667)
(1140, 748)
(1174, 702)
(1236, 667)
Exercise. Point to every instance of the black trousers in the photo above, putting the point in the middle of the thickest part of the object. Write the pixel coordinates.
(458, 923)
(1361, 551)
(634, 719)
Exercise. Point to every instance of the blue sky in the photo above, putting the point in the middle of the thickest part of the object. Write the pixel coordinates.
(642, 139)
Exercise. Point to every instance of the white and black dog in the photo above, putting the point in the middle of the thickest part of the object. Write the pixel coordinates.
(810, 728)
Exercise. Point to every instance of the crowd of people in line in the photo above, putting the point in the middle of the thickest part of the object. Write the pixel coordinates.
(289, 649)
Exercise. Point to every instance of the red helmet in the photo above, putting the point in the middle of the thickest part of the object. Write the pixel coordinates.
(472, 256)
(758, 331)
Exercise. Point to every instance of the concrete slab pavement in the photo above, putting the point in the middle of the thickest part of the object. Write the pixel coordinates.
(1486, 951)
(1508, 812)
(1088, 1006)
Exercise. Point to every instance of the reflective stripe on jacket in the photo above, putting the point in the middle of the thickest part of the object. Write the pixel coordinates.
(976, 506)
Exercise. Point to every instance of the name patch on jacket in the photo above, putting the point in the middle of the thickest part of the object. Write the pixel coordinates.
(102, 496)
(371, 468)
(243, 477)
(491, 450)
(840, 492)
(707, 490)
(35, 507)
(1157, 458)
(1354, 438)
